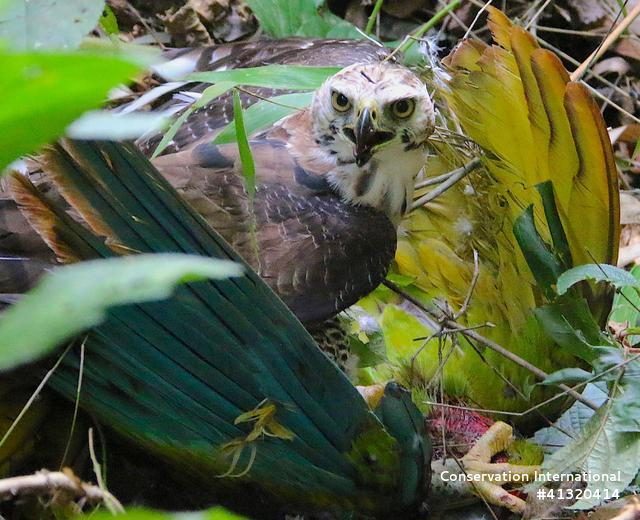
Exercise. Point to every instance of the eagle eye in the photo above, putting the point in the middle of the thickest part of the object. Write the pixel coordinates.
(340, 102)
(403, 108)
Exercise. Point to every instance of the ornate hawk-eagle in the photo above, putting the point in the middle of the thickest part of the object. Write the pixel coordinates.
(332, 180)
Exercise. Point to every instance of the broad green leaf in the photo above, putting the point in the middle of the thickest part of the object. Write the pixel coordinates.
(626, 406)
(43, 93)
(102, 124)
(598, 273)
(571, 325)
(292, 77)
(601, 448)
(48, 24)
(309, 18)
(626, 304)
(217, 513)
(74, 298)
(571, 422)
(568, 376)
(264, 113)
(543, 262)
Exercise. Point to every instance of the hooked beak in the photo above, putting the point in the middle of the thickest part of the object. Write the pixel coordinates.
(367, 136)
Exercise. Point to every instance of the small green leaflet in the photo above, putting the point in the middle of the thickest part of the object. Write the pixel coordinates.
(289, 77)
(264, 113)
(246, 158)
(598, 273)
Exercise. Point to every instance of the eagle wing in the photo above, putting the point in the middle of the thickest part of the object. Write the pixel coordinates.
(319, 253)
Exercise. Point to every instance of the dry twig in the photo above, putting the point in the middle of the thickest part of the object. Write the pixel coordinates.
(47, 483)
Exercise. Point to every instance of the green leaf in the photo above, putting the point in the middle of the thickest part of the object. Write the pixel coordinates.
(308, 18)
(571, 325)
(544, 264)
(626, 406)
(626, 308)
(598, 273)
(108, 21)
(246, 157)
(292, 77)
(264, 114)
(48, 24)
(626, 304)
(371, 353)
(569, 376)
(208, 94)
(43, 93)
(601, 448)
(110, 126)
(217, 513)
(74, 298)
(571, 422)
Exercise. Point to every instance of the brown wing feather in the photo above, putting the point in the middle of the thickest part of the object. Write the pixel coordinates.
(23, 253)
(319, 253)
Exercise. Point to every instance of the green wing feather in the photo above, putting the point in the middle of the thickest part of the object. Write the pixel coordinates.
(221, 379)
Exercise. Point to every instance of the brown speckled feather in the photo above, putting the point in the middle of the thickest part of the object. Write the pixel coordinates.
(319, 253)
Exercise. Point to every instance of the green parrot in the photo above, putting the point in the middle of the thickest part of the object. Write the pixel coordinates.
(513, 105)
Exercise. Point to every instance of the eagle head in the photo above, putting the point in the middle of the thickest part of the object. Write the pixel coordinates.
(373, 121)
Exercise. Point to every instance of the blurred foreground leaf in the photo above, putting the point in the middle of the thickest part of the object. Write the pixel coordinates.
(76, 297)
(48, 24)
(43, 92)
(217, 513)
(102, 124)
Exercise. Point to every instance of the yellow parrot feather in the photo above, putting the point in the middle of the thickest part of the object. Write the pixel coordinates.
(514, 100)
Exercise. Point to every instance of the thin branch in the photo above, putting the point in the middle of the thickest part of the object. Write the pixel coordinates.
(76, 407)
(472, 287)
(48, 483)
(455, 176)
(267, 99)
(608, 41)
(472, 334)
(33, 397)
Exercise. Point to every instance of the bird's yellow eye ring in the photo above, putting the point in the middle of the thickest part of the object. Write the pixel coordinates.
(403, 108)
(340, 102)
